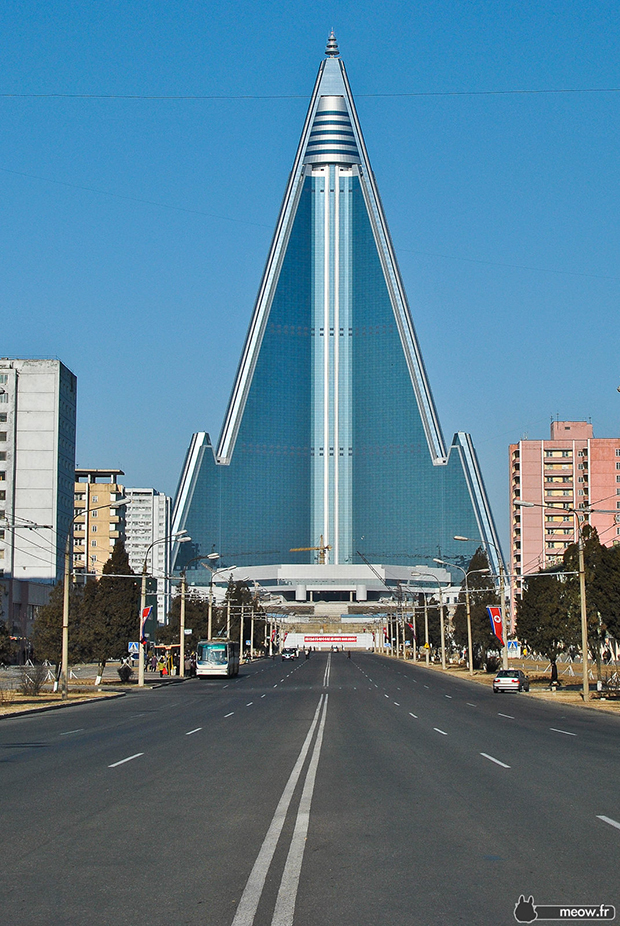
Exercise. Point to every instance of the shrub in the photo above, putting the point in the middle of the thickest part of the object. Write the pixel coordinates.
(32, 680)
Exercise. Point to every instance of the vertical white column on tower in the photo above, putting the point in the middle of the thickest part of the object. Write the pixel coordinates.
(331, 395)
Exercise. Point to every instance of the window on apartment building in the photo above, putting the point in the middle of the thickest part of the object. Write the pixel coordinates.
(2, 435)
(3, 416)
(3, 455)
(617, 478)
(2, 553)
(2, 497)
(2, 475)
(618, 452)
(94, 498)
(4, 397)
(95, 514)
(94, 529)
(1, 535)
(93, 543)
(4, 378)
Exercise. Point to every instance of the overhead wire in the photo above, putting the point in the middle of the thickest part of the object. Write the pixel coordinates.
(163, 97)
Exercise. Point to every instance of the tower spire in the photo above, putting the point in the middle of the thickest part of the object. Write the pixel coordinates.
(332, 46)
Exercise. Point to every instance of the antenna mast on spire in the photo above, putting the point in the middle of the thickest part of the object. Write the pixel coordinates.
(332, 46)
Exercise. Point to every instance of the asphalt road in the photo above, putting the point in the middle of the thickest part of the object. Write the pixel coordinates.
(356, 792)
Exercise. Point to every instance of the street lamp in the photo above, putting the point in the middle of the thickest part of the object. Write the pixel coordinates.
(214, 573)
(582, 585)
(442, 628)
(502, 599)
(178, 538)
(470, 648)
(64, 663)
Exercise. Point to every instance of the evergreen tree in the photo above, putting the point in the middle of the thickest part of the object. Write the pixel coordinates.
(5, 642)
(547, 621)
(602, 577)
(47, 630)
(196, 618)
(115, 604)
(482, 592)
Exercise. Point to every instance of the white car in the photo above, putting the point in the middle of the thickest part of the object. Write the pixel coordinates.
(511, 680)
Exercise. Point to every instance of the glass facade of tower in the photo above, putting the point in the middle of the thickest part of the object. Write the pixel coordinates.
(331, 435)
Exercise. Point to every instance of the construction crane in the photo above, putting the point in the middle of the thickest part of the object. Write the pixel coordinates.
(322, 548)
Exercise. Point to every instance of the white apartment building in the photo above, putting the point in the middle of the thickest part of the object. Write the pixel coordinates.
(147, 524)
(37, 460)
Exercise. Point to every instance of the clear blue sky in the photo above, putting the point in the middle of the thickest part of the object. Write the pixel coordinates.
(134, 232)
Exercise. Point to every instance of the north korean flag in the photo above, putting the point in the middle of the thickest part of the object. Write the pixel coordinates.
(146, 613)
(495, 616)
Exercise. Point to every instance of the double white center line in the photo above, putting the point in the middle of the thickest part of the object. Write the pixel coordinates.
(287, 894)
(328, 669)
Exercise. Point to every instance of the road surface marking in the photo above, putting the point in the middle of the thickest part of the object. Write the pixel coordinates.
(443, 732)
(224, 686)
(491, 759)
(262, 696)
(386, 696)
(508, 716)
(287, 894)
(448, 696)
(128, 759)
(246, 910)
(469, 704)
(229, 715)
(396, 703)
(426, 686)
(608, 820)
(276, 685)
(250, 703)
(565, 732)
(197, 730)
(413, 715)
(69, 732)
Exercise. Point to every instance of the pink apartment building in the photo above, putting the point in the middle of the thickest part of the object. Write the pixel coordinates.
(571, 470)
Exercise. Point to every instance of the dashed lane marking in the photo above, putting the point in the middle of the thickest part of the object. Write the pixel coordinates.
(492, 759)
(128, 759)
(565, 732)
(507, 716)
(443, 732)
(189, 733)
(229, 715)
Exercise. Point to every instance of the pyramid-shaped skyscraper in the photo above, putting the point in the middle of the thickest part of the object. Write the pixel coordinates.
(331, 438)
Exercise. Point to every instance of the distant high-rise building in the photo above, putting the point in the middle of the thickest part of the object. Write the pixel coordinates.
(331, 453)
(98, 524)
(147, 525)
(572, 470)
(37, 459)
